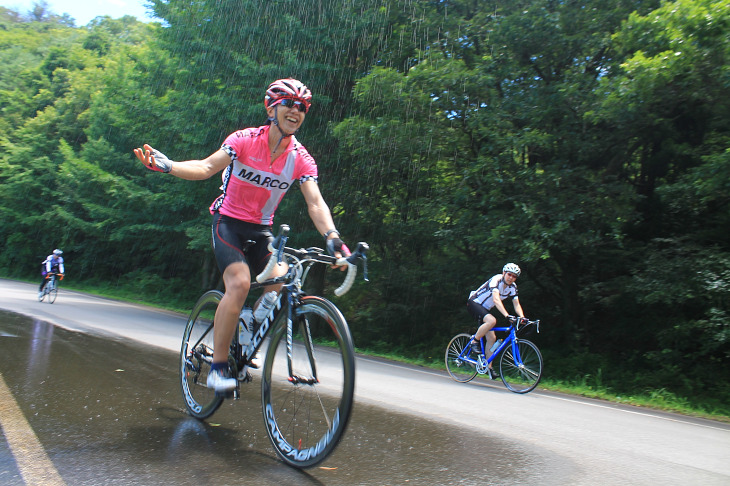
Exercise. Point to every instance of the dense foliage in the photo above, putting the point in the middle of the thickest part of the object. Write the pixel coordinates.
(587, 141)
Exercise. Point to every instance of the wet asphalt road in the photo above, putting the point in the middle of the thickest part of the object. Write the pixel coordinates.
(110, 412)
(105, 408)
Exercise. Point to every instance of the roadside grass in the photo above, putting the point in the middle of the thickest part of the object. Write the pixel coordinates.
(656, 399)
(158, 300)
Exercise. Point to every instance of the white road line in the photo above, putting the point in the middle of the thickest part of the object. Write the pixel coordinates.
(33, 462)
(620, 408)
(608, 406)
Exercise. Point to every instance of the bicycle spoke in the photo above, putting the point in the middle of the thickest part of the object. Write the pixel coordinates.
(460, 369)
(306, 411)
(521, 375)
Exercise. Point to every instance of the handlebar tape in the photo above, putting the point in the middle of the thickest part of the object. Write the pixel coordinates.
(349, 278)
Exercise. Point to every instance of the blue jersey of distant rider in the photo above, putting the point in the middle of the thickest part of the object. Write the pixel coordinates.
(53, 264)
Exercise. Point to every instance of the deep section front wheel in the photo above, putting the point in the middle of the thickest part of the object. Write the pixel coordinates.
(307, 395)
(521, 366)
(196, 356)
(459, 369)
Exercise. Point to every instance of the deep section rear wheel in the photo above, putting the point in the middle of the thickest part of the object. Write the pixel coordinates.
(459, 369)
(196, 356)
(521, 375)
(307, 400)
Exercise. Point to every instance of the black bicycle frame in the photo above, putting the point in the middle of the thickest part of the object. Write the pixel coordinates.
(291, 294)
(258, 336)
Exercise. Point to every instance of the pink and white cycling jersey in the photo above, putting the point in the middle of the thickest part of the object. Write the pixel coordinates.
(252, 187)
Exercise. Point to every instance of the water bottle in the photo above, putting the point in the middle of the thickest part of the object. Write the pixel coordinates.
(266, 304)
(245, 326)
(496, 345)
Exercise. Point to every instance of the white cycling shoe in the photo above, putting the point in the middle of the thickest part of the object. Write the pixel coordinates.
(219, 382)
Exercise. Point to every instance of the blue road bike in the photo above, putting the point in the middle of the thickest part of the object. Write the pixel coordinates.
(308, 375)
(520, 361)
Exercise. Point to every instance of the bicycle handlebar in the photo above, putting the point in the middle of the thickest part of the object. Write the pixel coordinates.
(278, 248)
(516, 321)
(360, 253)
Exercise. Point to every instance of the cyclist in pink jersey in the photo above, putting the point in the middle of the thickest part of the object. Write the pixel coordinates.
(259, 165)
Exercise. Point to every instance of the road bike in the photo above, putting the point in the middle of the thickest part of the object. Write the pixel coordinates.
(520, 361)
(50, 289)
(308, 375)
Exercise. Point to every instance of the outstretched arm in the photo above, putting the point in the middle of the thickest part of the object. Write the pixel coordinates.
(192, 170)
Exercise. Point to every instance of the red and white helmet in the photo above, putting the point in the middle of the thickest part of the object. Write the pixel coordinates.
(288, 88)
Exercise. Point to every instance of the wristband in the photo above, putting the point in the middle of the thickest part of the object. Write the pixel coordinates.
(326, 235)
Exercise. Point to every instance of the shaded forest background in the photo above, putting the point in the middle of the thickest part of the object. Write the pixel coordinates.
(589, 142)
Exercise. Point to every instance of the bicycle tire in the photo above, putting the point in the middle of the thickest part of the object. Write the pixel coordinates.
(461, 371)
(52, 293)
(525, 377)
(305, 418)
(196, 355)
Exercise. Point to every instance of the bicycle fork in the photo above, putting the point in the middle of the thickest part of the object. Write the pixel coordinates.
(308, 344)
(516, 357)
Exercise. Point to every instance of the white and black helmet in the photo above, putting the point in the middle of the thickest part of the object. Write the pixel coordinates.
(512, 268)
(57, 252)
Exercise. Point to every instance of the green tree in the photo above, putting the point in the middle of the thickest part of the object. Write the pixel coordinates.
(669, 120)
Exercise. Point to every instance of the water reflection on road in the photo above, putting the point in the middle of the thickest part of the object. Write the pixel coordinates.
(110, 412)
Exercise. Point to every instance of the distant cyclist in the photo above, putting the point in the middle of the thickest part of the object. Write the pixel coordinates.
(52, 264)
(486, 304)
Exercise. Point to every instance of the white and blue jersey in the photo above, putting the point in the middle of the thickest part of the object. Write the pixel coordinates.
(54, 264)
(484, 296)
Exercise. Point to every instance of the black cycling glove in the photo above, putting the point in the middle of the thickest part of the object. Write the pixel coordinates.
(336, 244)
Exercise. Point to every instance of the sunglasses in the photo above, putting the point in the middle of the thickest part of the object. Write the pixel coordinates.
(295, 103)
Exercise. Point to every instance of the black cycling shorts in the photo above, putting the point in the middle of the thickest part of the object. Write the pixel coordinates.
(479, 311)
(230, 237)
(476, 310)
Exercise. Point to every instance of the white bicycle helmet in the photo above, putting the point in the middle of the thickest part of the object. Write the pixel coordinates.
(57, 252)
(512, 268)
